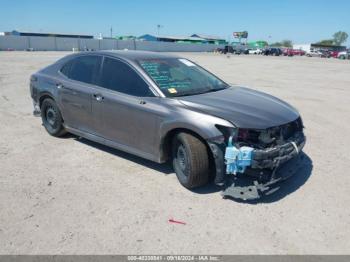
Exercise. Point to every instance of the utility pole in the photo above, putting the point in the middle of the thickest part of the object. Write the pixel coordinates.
(158, 27)
(111, 32)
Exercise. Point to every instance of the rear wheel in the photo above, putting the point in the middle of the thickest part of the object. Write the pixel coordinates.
(190, 160)
(52, 118)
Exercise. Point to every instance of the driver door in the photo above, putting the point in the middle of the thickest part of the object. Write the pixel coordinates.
(130, 109)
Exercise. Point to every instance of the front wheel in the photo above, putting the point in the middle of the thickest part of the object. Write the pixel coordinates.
(190, 160)
(52, 118)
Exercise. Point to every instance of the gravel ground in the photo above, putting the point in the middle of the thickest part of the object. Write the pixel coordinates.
(72, 196)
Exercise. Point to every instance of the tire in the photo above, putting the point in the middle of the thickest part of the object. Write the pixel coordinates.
(52, 118)
(190, 160)
(342, 57)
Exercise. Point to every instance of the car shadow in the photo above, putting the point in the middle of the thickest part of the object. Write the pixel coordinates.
(163, 168)
(207, 189)
(284, 188)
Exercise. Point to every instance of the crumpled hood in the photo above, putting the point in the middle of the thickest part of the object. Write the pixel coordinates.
(244, 107)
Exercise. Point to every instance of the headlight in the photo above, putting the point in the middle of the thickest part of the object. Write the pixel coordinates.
(227, 131)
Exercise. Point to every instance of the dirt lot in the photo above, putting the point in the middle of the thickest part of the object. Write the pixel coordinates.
(71, 196)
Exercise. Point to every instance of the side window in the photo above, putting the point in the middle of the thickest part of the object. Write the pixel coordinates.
(65, 69)
(84, 69)
(119, 76)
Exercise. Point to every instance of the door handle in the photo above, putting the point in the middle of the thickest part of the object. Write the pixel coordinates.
(98, 97)
(67, 89)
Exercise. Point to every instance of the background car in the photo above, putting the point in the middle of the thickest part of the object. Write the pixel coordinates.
(235, 49)
(256, 51)
(318, 53)
(245, 51)
(299, 52)
(293, 52)
(334, 53)
(325, 54)
(288, 52)
(274, 51)
(229, 49)
(313, 53)
(344, 55)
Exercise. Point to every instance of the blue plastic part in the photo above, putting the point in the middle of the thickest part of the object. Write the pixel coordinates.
(237, 159)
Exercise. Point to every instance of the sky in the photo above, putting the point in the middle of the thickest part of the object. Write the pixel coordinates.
(302, 21)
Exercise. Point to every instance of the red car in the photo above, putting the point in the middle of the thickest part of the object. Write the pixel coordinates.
(292, 52)
(334, 53)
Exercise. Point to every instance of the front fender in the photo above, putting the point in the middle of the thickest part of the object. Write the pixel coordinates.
(197, 123)
(201, 124)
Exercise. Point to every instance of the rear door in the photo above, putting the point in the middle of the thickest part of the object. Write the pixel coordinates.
(76, 91)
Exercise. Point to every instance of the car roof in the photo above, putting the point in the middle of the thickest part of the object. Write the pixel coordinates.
(132, 55)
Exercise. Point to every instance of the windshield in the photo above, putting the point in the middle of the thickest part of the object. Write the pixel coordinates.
(180, 77)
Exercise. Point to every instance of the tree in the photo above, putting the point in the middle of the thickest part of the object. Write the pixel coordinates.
(277, 44)
(287, 43)
(326, 42)
(340, 37)
(284, 43)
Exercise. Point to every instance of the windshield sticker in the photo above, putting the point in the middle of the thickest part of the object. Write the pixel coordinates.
(186, 62)
(172, 90)
(179, 76)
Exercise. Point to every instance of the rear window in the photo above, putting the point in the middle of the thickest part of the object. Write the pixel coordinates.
(84, 69)
(65, 69)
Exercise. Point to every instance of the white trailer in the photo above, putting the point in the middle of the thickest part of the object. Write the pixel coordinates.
(304, 47)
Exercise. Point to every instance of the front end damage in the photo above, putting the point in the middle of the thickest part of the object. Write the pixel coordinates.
(249, 163)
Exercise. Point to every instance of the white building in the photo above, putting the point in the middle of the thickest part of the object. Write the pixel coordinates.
(304, 47)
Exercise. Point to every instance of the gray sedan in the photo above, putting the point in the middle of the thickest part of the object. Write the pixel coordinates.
(162, 107)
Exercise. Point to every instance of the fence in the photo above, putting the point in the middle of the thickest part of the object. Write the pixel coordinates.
(39, 43)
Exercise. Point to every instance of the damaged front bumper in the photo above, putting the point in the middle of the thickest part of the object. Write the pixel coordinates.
(245, 187)
(266, 168)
